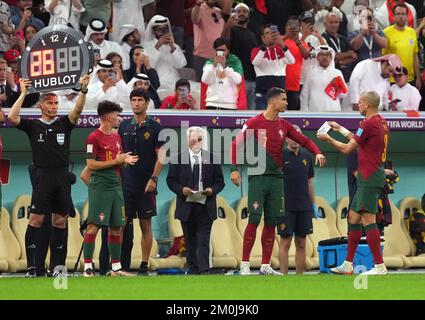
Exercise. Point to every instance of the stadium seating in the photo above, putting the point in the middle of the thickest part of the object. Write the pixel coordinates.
(323, 228)
(225, 238)
(407, 206)
(398, 247)
(10, 250)
(342, 215)
(174, 225)
(20, 214)
(256, 253)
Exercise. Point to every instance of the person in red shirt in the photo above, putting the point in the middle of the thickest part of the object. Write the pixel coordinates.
(182, 99)
(300, 51)
(371, 139)
(265, 187)
(2, 118)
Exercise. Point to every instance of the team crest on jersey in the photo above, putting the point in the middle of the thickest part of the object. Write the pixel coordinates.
(359, 132)
(281, 133)
(101, 216)
(60, 138)
(255, 205)
(304, 162)
(282, 226)
(147, 135)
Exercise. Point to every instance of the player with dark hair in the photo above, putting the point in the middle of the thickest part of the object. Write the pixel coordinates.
(104, 158)
(371, 139)
(265, 190)
(50, 138)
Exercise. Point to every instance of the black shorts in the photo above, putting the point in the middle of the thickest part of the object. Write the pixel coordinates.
(139, 204)
(299, 223)
(51, 192)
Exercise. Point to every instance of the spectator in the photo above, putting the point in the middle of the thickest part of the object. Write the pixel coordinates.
(402, 41)
(344, 55)
(420, 32)
(107, 84)
(208, 24)
(222, 74)
(314, 40)
(95, 9)
(142, 81)
(386, 16)
(29, 32)
(270, 61)
(128, 37)
(12, 56)
(403, 95)
(368, 42)
(22, 15)
(300, 51)
(116, 59)
(358, 11)
(6, 27)
(135, 12)
(242, 41)
(374, 74)
(182, 99)
(320, 17)
(188, 44)
(174, 11)
(67, 98)
(139, 63)
(95, 34)
(165, 56)
(65, 12)
(325, 86)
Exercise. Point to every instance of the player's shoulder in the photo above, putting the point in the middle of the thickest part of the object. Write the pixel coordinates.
(94, 135)
(154, 123)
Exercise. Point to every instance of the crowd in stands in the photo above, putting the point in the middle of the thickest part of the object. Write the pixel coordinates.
(225, 55)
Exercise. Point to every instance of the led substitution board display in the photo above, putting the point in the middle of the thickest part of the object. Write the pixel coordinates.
(55, 59)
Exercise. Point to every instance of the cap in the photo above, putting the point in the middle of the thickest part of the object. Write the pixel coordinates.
(125, 30)
(307, 16)
(11, 55)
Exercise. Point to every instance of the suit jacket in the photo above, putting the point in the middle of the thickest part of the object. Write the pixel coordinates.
(180, 175)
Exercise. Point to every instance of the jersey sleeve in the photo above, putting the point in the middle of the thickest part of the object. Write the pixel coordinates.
(239, 140)
(26, 125)
(67, 123)
(91, 147)
(301, 139)
(310, 167)
(363, 133)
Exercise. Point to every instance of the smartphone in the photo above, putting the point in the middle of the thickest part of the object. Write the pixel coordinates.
(8, 69)
(220, 53)
(112, 75)
(184, 92)
(96, 54)
(273, 28)
(369, 18)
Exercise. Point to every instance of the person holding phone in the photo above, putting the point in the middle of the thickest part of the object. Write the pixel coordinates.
(368, 42)
(22, 14)
(270, 61)
(164, 54)
(404, 95)
(182, 99)
(107, 84)
(222, 74)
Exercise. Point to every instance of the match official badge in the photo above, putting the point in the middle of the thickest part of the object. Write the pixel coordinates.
(359, 132)
(60, 138)
(101, 216)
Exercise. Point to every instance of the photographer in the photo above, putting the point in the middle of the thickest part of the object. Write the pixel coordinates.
(182, 99)
(368, 42)
(22, 15)
(107, 84)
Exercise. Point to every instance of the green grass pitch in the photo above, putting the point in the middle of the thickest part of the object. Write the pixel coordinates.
(218, 287)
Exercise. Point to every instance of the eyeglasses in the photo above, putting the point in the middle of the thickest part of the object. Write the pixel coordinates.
(215, 16)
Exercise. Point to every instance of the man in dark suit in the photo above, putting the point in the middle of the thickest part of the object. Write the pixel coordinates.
(192, 170)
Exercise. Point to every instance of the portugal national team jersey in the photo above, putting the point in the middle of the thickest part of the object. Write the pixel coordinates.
(372, 138)
(104, 147)
(270, 135)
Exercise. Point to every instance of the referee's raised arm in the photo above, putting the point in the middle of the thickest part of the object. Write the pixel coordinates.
(13, 115)
(75, 113)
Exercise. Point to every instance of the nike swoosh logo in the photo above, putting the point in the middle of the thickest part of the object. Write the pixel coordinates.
(149, 211)
(286, 162)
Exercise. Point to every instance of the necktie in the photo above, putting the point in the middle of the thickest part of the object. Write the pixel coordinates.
(195, 173)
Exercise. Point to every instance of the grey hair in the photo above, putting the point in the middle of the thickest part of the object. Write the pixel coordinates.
(194, 129)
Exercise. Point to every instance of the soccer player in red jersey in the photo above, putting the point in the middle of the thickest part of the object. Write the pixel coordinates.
(371, 139)
(265, 190)
(106, 202)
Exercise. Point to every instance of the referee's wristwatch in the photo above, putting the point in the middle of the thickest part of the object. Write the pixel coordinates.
(154, 178)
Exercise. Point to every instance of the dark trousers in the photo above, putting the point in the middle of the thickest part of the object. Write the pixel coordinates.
(197, 231)
(293, 100)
